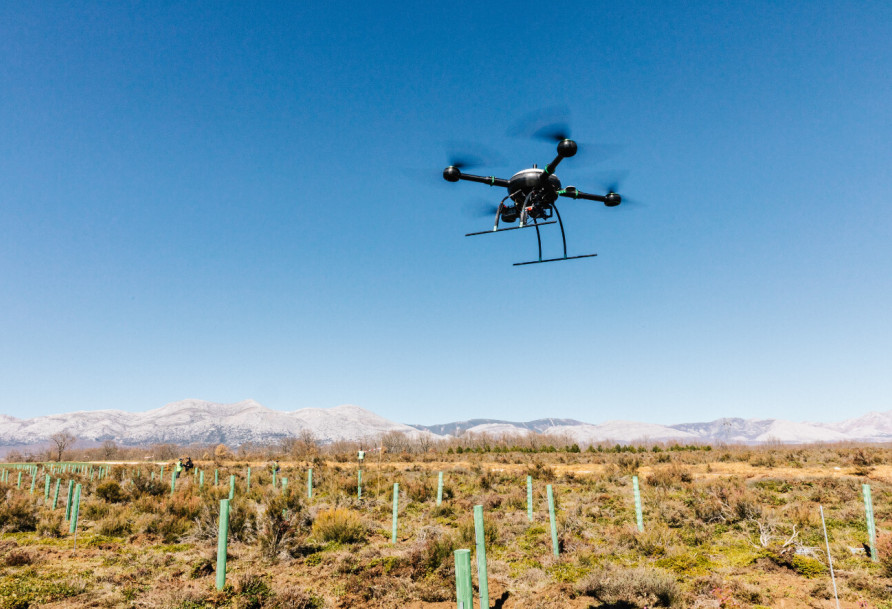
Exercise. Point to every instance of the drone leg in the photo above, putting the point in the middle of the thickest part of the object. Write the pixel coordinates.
(523, 211)
(495, 226)
(563, 237)
(539, 240)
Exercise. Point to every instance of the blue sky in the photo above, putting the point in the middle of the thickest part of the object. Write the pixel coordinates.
(224, 201)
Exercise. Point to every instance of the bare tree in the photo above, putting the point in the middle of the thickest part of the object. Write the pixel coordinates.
(109, 450)
(62, 440)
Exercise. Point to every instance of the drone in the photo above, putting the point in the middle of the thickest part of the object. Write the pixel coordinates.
(532, 198)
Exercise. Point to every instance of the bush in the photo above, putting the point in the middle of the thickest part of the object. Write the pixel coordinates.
(50, 524)
(278, 524)
(17, 514)
(340, 525)
(295, 598)
(111, 491)
(115, 525)
(884, 549)
(638, 587)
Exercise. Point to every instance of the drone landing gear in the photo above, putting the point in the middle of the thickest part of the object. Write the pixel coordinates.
(555, 259)
(501, 230)
(563, 240)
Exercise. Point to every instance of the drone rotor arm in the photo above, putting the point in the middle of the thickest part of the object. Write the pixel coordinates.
(611, 200)
(452, 174)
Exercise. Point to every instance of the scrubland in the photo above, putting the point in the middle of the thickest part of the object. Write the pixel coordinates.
(725, 527)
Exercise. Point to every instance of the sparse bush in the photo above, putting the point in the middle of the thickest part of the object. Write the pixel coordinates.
(673, 476)
(278, 524)
(340, 525)
(295, 598)
(638, 587)
(115, 525)
(884, 549)
(111, 491)
(17, 514)
(50, 524)
(18, 558)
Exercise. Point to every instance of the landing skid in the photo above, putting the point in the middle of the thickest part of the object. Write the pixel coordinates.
(555, 259)
(536, 225)
(501, 230)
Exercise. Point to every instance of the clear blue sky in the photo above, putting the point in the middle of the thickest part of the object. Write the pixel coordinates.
(208, 200)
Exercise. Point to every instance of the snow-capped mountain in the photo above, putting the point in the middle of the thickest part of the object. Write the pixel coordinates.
(189, 421)
(197, 421)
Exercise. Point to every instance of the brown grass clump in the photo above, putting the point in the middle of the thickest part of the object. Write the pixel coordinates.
(17, 514)
(884, 549)
(339, 525)
(637, 587)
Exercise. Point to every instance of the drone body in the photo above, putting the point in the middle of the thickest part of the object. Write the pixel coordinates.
(533, 194)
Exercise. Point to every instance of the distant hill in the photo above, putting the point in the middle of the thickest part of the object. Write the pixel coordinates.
(197, 421)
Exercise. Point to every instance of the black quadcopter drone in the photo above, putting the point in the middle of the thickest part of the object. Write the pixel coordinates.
(533, 195)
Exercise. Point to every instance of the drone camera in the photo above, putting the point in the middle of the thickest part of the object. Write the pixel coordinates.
(451, 174)
(612, 199)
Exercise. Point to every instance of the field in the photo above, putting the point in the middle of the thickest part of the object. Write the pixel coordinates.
(722, 527)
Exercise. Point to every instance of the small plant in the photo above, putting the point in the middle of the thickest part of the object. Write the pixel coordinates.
(111, 492)
(17, 515)
(340, 525)
(639, 586)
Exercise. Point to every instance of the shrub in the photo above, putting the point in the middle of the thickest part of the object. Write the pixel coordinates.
(17, 514)
(670, 477)
(115, 525)
(884, 549)
(111, 491)
(50, 524)
(278, 524)
(639, 586)
(295, 598)
(340, 525)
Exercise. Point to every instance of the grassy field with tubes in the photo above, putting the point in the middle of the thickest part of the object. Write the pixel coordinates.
(721, 527)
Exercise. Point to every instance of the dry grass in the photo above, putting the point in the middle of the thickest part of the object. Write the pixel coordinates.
(731, 527)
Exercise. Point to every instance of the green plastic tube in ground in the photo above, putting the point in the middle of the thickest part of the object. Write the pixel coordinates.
(68, 500)
(359, 484)
(200, 478)
(554, 537)
(231, 486)
(222, 542)
(75, 508)
(464, 591)
(480, 538)
(639, 516)
(46, 489)
(396, 504)
(248, 481)
(439, 488)
(56, 493)
(530, 498)
(310, 483)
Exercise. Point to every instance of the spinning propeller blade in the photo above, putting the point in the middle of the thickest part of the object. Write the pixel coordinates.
(479, 208)
(611, 181)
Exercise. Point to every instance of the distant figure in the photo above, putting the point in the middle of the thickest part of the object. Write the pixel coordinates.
(178, 468)
(188, 464)
(275, 467)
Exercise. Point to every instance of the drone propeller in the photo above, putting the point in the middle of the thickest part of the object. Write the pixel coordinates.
(556, 132)
(612, 181)
(479, 208)
(548, 124)
(471, 155)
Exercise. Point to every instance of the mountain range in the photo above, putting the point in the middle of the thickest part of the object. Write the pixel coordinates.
(197, 421)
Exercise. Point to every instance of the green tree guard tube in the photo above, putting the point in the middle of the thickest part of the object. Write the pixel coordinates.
(464, 591)
(480, 538)
(222, 541)
(554, 536)
(396, 501)
(75, 508)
